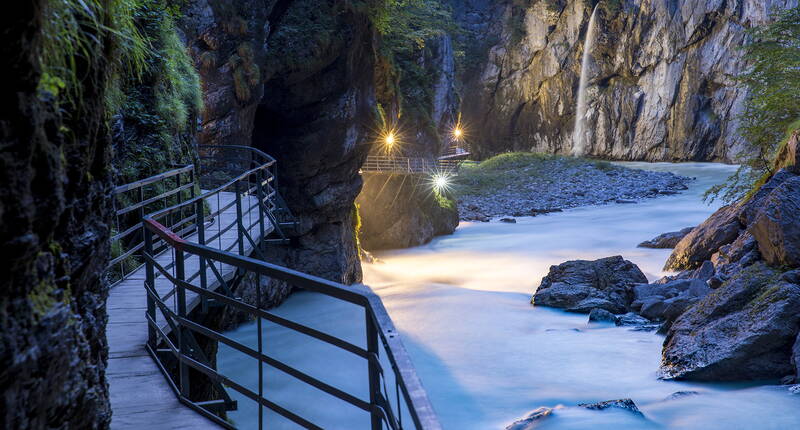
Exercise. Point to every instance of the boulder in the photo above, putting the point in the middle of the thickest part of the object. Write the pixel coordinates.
(753, 205)
(602, 315)
(735, 251)
(625, 404)
(666, 240)
(632, 319)
(665, 302)
(531, 421)
(743, 330)
(581, 285)
(776, 226)
(721, 228)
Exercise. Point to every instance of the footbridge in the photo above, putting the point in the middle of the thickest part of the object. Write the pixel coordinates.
(185, 244)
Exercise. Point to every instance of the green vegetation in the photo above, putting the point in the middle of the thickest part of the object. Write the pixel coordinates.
(772, 108)
(407, 26)
(70, 29)
(156, 109)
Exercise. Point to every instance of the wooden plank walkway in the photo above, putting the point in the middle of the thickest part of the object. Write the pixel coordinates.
(141, 397)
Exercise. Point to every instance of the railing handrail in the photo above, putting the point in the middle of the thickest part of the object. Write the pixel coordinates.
(208, 193)
(152, 179)
(414, 395)
(124, 232)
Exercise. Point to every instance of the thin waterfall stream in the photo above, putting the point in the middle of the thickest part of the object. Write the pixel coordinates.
(578, 143)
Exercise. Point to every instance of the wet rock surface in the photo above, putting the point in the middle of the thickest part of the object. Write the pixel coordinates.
(581, 286)
(624, 404)
(536, 417)
(746, 326)
(742, 331)
(666, 240)
(557, 184)
(532, 419)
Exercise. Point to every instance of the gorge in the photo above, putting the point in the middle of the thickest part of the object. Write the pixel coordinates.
(534, 144)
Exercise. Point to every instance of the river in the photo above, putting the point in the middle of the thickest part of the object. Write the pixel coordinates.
(487, 357)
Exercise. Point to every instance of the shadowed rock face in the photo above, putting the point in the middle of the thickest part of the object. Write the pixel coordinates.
(294, 78)
(776, 228)
(661, 84)
(401, 210)
(227, 40)
(580, 286)
(666, 240)
(53, 236)
(721, 228)
(315, 118)
(743, 330)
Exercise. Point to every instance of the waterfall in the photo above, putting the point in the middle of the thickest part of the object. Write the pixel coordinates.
(578, 144)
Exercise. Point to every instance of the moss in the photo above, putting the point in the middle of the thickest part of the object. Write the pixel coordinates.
(158, 108)
(356, 216)
(444, 200)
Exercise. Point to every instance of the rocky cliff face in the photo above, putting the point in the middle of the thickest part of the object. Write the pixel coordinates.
(661, 81)
(401, 210)
(295, 79)
(227, 40)
(53, 234)
(316, 118)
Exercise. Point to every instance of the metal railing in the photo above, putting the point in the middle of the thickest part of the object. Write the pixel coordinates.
(396, 164)
(130, 203)
(202, 270)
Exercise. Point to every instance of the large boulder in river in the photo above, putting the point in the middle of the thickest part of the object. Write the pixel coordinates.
(581, 285)
(744, 330)
(721, 228)
(666, 240)
(776, 226)
(666, 302)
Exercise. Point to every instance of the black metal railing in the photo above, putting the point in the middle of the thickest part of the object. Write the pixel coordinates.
(205, 266)
(130, 203)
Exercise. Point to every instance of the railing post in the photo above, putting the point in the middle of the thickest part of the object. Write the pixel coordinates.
(180, 295)
(150, 281)
(373, 369)
(261, 197)
(239, 215)
(201, 238)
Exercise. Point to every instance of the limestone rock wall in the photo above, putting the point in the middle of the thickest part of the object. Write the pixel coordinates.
(661, 85)
(53, 235)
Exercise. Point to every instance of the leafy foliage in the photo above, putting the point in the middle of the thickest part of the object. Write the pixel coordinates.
(69, 30)
(406, 27)
(773, 105)
(155, 110)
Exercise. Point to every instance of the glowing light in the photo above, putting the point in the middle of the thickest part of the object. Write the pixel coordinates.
(440, 181)
(389, 138)
(457, 132)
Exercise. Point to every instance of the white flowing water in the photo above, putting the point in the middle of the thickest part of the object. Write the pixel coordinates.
(578, 146)
(486, 356)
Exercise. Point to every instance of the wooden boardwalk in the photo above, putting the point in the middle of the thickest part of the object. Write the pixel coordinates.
(141, 398)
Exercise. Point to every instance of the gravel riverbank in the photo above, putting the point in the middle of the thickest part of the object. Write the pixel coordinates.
(525, 184)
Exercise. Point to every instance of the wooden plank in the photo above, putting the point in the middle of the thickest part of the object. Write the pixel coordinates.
(140, 395)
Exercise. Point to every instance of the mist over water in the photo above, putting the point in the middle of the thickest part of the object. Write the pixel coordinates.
(487, 357)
